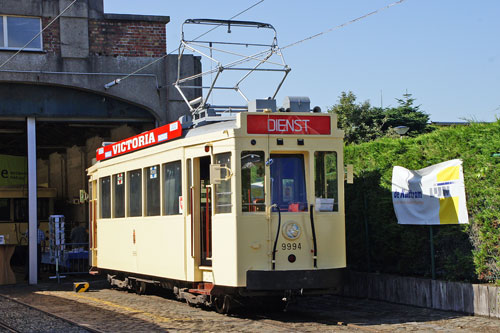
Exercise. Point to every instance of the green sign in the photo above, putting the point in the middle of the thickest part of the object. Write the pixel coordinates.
(13, 170)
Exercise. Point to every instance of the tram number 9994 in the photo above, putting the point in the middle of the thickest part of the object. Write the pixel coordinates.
(291, 246)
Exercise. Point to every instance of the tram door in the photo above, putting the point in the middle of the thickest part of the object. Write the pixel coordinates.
(205, 212)
(93, 221)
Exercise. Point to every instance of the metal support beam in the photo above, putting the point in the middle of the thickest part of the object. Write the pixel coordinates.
(32, 201)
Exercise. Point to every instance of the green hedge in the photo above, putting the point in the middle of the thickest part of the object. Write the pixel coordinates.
(375, 242)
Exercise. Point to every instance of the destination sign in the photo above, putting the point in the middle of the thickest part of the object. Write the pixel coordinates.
(143, 140)
(281, 124)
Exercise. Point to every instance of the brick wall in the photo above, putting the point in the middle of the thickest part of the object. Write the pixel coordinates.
(127, 38)
(51, 36)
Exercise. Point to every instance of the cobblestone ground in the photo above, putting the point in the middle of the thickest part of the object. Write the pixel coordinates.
(111, 310)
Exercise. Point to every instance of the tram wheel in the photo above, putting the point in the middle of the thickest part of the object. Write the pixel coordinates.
(222, 304)
(140, 287)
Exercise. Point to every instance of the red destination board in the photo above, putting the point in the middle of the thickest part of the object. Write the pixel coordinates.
(281, 124)
(143, 140)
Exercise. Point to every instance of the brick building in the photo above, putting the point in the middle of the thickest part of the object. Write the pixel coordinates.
(57, 84)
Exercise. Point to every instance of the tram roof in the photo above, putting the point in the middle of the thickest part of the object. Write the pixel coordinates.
(209, 128)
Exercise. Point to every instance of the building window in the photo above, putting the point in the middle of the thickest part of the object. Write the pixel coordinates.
(4, 209)
(223, 190)
(105, 202)
(325, 181)
(16, 31)
(153, 191)
(119, 195)
(172, 188)
(135, 193)
(252, 181)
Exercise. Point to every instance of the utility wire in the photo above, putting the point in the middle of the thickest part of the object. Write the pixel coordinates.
(301, 41)
(112, 83)
(345, 24)
(117, 81)
(38, 34)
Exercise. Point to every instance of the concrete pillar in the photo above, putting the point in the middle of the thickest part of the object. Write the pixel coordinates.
(32, 201)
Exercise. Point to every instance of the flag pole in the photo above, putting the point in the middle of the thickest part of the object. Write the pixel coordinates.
(433, 266)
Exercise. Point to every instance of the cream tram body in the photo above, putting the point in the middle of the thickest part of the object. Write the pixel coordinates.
(151, 220)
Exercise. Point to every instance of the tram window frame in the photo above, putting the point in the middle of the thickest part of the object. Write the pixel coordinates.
(172, 171)
(249, 171)
(134, 193)
(5, 214)
(119, 196)
(223, 191)
(189, 168)
(105, 197)
(322, 188)
(153, 190)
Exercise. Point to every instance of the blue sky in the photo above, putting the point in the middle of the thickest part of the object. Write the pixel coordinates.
(446, 53)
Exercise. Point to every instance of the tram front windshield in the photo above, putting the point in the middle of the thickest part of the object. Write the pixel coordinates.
(288, 186)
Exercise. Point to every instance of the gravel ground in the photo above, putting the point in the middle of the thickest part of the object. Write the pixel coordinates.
(26, 319)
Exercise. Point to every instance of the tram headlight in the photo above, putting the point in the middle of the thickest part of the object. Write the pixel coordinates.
(291, 231)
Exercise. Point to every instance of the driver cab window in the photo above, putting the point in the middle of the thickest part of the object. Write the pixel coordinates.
(288, 185)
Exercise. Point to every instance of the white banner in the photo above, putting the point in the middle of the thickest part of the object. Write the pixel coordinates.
(433, 195)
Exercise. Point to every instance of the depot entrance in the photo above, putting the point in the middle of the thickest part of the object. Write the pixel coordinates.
(46, 144)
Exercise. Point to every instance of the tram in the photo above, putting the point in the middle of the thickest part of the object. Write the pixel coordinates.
(225, 204)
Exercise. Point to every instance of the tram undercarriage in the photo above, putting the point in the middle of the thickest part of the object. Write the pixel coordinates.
(282, 286)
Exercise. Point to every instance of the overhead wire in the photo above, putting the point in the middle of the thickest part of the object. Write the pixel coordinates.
(256, 55)
(38, 34)
(344, 24)
(117, 81)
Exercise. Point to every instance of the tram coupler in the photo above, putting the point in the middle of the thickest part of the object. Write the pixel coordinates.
(288, 297)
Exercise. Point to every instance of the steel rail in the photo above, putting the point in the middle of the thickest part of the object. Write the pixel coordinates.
(90, 329)
(8, 328)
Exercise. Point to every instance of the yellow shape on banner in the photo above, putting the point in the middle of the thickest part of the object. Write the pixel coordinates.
(448, 210)
(450, 173)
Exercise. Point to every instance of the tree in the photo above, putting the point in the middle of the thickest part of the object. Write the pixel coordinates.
(360, 122)
(363, 123)
(407, 114)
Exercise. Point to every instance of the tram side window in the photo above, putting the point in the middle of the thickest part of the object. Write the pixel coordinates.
(135, 193)
(326, 181)
(223, 190)
(105, 202)
(153, 191)
(172, 188)
(252, 181)
(4, 209)
(119, 195)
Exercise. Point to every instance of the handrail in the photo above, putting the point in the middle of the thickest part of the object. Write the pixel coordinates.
(315, 253)
(277, 236)
(192, 220)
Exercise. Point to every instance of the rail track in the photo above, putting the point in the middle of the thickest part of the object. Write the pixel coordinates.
(13, 327)
(8, 328)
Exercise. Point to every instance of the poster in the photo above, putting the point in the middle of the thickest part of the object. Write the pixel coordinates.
(13, 170)
(431, 196)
